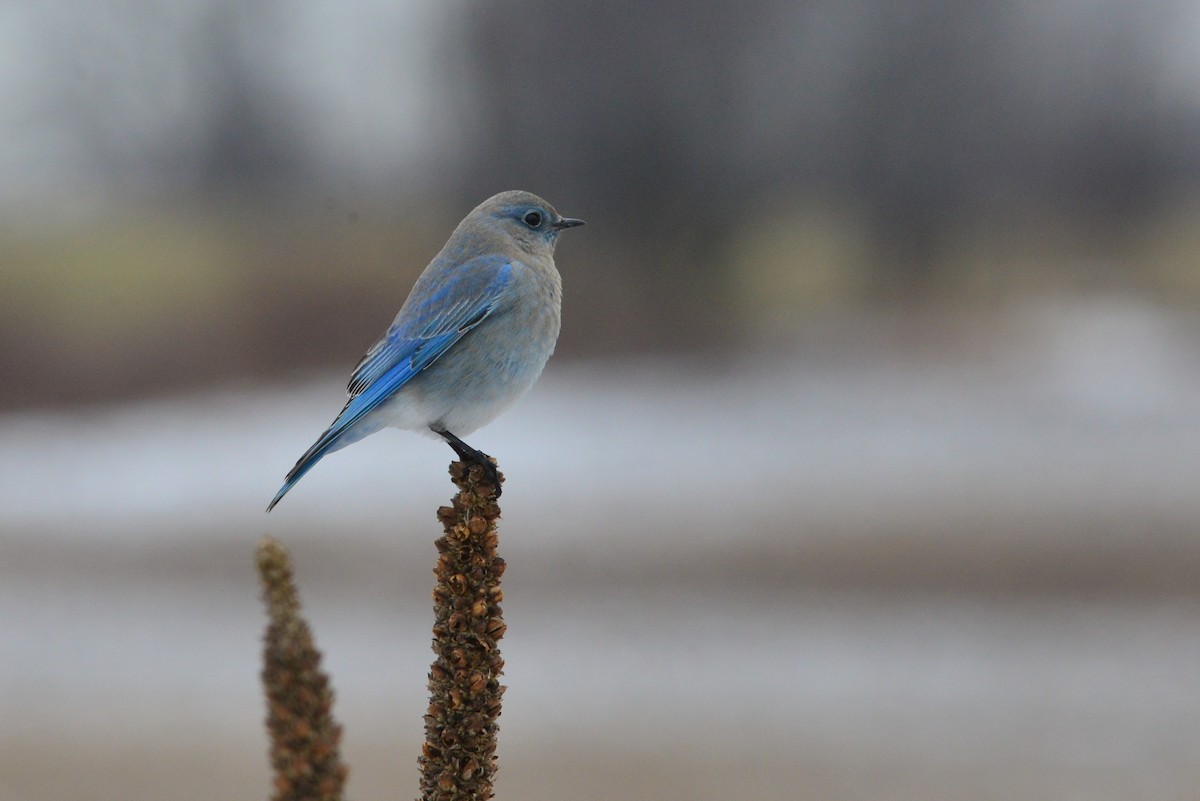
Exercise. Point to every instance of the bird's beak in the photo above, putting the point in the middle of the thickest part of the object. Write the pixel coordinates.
(565, 222)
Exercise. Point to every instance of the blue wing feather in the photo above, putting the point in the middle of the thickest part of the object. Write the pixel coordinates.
(462, 297)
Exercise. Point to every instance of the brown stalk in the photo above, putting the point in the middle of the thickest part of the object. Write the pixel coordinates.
(304, 735)
(458, 759)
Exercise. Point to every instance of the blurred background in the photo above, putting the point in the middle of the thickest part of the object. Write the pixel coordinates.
(865, 467)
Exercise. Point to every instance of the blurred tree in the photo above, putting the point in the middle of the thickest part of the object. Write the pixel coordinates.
(175, 97)
(629, 111)
(248, 142)
(673, 123)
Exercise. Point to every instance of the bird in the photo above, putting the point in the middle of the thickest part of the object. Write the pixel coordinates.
(471, 338)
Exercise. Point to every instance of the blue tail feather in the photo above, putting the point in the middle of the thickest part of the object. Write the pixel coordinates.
(335, 438)
(313, 455)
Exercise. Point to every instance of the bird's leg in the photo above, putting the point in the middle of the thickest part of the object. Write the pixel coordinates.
(471, 456)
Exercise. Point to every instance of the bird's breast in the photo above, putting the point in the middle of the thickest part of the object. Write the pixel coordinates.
(495, 363)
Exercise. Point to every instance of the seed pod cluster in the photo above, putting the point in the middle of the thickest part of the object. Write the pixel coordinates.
(458, 759)
(304, 735)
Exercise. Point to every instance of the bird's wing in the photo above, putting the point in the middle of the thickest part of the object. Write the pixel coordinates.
(426, 329)
(463, 297)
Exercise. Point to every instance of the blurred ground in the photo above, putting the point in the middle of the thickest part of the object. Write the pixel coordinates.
(947, 557)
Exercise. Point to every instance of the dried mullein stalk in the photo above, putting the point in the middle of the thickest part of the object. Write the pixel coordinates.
(304, 735)
(458, 760)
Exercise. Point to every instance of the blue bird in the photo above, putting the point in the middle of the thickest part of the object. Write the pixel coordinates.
(472, 337)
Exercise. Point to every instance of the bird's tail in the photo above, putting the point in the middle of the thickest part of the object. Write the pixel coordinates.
(313, 455)
(336, 437)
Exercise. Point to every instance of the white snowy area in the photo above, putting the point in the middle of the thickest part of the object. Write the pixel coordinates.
(654, 514)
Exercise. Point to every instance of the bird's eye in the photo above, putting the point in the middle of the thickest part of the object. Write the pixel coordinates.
(533, 219)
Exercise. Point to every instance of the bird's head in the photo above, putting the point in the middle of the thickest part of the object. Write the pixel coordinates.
(531, 222)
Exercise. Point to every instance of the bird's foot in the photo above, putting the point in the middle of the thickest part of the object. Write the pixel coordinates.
(471, 456)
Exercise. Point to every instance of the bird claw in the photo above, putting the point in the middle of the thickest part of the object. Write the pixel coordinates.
(471, 456)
